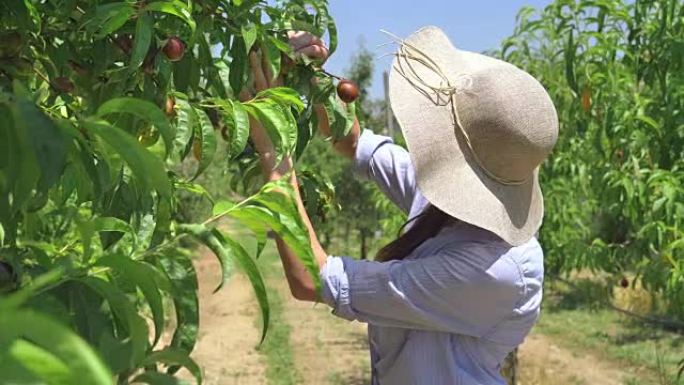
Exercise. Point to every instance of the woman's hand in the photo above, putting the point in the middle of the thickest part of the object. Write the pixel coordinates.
(306, 44)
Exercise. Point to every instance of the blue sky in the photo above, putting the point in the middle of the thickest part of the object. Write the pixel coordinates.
(473, 25)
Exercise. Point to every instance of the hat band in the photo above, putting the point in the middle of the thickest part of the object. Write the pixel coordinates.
(441, 95)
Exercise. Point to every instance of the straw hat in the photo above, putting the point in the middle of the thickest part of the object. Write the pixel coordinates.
(477, 129)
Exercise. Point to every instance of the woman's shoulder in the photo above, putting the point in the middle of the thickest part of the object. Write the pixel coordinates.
(482, 256)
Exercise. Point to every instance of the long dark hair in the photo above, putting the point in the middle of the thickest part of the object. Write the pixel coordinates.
(427, 225)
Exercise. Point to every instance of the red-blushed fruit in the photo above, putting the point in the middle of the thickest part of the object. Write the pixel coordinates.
(170, 106)
(63, 84)
(174, 49)
(347, 91)
(624, 282)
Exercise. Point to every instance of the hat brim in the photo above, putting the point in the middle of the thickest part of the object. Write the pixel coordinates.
(446, 173)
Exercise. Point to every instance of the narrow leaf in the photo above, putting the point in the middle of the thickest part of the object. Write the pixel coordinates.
(207, 138)
(142, 40)
(239, 254)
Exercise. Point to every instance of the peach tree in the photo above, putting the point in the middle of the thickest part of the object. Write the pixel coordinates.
(614, 186)
(101, 104)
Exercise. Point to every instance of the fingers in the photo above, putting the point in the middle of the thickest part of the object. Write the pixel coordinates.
(301, 39)
(314, 52)
(260, 82)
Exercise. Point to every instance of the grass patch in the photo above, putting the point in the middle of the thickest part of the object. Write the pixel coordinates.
(581, 323)
(280, 367)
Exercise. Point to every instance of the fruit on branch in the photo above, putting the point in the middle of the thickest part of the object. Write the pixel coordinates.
(63, 84)
(624, 282)
(10, 44)
(148, 136)
(170, 107)
(586, 99)
(347, 90)
(174, 48)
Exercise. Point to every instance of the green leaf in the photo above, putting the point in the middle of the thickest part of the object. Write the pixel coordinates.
(148, 168)
(332, 33)
(142, 109)
(109, 18)
(140, 273)
(273, 57)
(295, 238)
(249, 34)
(278, 123)
(239, 254)
(142, 39)
(185, 127)
(176, 8)
(97, 224)
(204, 235)
(340, 119)
(237, 124)
(183, 278)
(84, 364)
(207, 139)
(9, 303)
(163, 222)
(171, 356)
(47, 140)
(238, 65)
(221, 208)
(125, 311)
(40, 362)
(285, 96)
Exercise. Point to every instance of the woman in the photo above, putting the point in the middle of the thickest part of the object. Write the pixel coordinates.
(461, 287)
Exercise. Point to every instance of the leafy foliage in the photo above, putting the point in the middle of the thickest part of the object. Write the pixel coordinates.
(99, 115)
(614, 185)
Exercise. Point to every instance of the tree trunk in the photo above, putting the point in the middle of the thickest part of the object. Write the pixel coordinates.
(364, 247)
(509, 369)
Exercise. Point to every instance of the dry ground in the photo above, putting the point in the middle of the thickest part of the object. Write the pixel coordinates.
(327, 350)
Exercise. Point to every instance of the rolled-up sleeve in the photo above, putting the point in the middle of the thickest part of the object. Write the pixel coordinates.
(439, 293)
(377, 158)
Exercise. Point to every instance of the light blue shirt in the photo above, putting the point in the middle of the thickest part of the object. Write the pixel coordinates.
(450, 312)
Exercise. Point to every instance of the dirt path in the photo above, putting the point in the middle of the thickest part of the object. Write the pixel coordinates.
(542, 362)
(330, 351)
(228, 333)
(326, 349)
